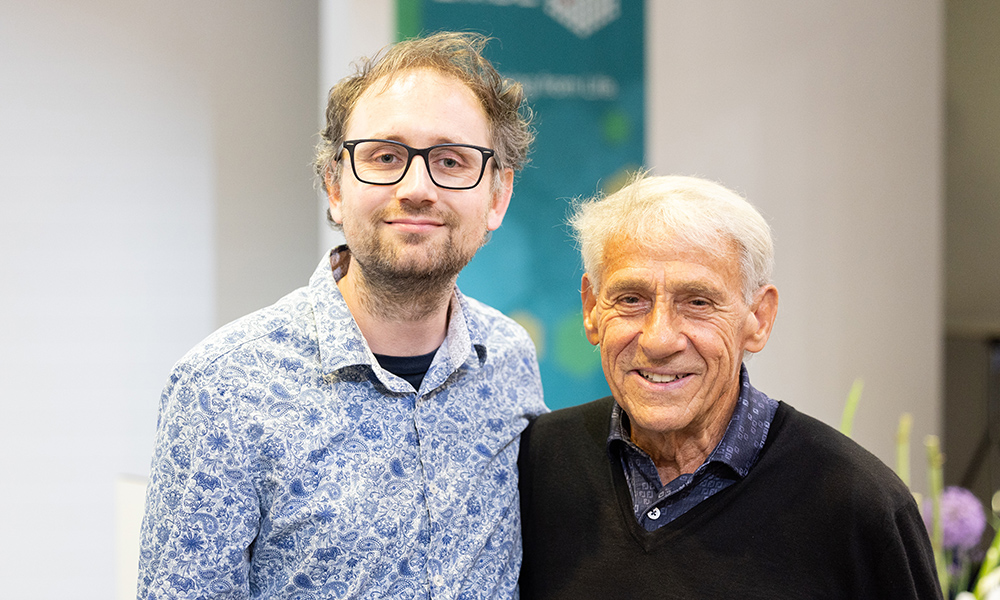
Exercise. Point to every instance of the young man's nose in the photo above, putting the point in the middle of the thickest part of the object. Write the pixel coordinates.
(417, 185)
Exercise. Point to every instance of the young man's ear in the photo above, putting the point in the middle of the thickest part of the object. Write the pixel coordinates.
(333, 196)
(501, 200)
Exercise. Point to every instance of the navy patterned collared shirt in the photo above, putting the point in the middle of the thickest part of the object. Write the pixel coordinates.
(655, 504)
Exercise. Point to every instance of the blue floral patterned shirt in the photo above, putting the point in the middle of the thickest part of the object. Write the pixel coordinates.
(289, 464)
(656, 504)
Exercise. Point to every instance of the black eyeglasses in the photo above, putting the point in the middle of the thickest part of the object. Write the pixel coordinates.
(385, 162)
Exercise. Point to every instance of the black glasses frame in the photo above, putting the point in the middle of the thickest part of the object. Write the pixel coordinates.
(423, 152)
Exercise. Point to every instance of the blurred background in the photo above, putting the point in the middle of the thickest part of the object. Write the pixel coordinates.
(156, 182)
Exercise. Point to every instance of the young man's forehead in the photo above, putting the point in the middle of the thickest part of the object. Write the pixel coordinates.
(418, 76)
(420, 108)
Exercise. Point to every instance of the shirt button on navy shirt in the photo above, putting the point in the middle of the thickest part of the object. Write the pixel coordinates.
(728, 462)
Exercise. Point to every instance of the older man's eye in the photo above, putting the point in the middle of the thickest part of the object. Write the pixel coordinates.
(700, 304)
(630, 303)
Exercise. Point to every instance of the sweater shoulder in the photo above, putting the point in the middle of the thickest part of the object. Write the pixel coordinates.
(574, 416)
(803, 444)
(563, 425)
(567, 433)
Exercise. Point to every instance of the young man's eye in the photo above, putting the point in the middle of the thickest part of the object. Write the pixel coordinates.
(379, 154)
(451, 162)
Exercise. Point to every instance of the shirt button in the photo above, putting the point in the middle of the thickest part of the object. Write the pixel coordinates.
(438, 581)
(654, 514)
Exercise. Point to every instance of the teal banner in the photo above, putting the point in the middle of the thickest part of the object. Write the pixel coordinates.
(582, 65)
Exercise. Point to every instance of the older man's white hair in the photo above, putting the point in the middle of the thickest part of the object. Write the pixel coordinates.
(651, 209)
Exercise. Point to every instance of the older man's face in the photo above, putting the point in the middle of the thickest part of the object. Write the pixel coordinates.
(672, 326)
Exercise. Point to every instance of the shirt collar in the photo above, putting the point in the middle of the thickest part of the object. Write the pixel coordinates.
(745, 435)
(343, 349)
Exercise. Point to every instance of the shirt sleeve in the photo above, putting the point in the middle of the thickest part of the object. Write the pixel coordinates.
(202, 510)
(532, 399)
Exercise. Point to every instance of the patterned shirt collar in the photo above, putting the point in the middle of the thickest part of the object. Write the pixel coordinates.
(344, 351)
(744, 437)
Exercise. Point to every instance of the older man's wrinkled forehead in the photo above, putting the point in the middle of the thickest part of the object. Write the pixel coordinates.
(653, 237)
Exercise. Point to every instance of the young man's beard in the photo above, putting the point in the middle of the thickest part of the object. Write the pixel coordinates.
(395, 288)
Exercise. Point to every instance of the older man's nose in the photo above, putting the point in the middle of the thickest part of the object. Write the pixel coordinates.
(662, 333)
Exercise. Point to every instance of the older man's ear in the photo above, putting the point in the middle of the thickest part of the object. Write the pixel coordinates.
(762, 315)
(589, 301)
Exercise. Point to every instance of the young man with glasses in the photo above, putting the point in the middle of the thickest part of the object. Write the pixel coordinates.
(359, 438)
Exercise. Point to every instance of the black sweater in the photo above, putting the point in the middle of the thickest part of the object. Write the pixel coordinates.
(816, 517)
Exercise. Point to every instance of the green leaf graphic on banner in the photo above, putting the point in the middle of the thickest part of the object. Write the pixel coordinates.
(409, 18)
(573, 353)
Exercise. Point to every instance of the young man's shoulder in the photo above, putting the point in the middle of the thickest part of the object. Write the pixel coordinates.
(284, 322)
(496, 327)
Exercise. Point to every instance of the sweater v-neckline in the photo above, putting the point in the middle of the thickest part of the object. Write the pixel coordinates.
(650, 541)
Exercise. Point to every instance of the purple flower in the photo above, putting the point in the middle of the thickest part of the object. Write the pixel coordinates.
(962, 518)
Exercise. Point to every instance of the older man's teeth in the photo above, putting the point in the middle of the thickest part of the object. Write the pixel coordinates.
(657, 378)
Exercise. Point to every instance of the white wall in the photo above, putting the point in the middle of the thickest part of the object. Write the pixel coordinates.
(133, 137)
(828, 116)
(264, 71)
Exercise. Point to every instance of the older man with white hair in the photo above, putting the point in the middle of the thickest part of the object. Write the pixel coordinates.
(687, 482)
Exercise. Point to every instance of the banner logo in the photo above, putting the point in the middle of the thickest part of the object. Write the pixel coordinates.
(583, 17)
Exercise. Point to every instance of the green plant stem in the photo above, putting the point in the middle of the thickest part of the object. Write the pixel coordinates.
(992, 561)
(935, 473)
(853, 398)
(961, 583)
(903, 448)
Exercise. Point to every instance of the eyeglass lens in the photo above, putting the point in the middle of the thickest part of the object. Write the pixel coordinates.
(383, 162)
